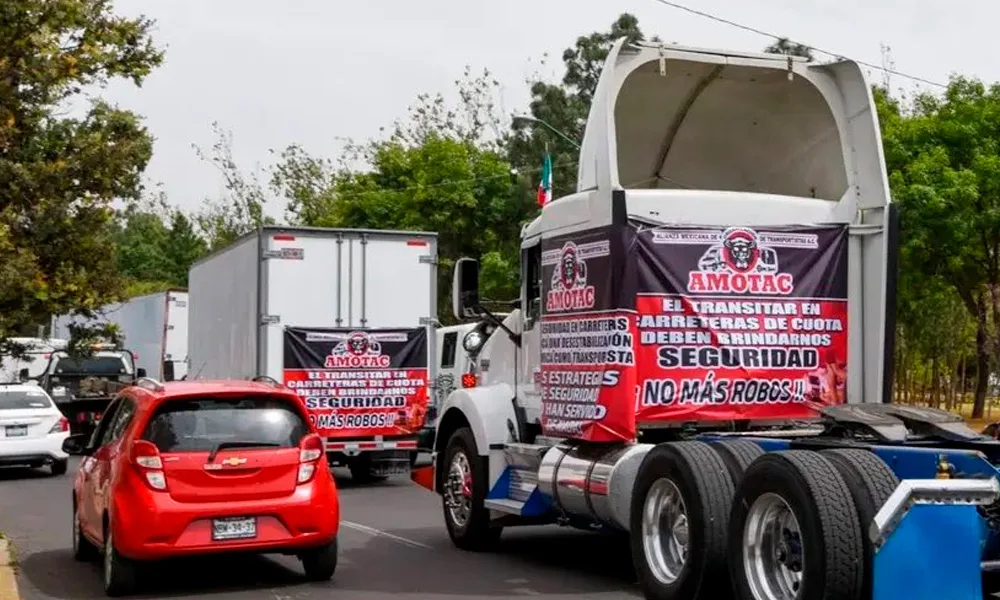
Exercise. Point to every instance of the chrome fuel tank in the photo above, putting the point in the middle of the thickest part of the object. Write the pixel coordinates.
(592, 480)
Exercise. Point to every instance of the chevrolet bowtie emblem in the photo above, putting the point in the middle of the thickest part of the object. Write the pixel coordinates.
(233, 461)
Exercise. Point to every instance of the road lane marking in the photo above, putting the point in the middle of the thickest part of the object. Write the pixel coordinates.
(8, 578)
(379, 533)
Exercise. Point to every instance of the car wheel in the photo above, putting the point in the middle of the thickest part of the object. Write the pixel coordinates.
(59, 467)
(320, 563)
(119, 572)
(463, 493)
(83, 550)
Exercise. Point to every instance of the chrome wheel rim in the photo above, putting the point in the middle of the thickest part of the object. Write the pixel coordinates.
(773, 556)
(458, 490)
(665, 531)
(109, 551)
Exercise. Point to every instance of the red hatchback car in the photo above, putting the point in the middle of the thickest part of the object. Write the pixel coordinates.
(188, 468)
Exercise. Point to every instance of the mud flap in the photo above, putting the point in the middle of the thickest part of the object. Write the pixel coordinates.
(928, 540)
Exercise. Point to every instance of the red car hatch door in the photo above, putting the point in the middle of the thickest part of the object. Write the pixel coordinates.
(233, 474)
(220, 449)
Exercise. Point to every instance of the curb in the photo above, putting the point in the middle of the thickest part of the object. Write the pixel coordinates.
(8, 572)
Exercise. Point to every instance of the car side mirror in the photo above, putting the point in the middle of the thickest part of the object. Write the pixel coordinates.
(76, 445)
(465, 289)
(140, 372)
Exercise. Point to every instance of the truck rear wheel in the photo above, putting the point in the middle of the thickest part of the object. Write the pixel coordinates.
(678, 522)
(794, 532)
(361, 469)
(464, 488)
(737, 454)
(870, 482)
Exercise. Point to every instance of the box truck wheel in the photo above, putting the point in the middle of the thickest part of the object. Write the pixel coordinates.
(465, 487)
(737, 454)
(794, 531)
(678, 522)
(361, 469)
(870, 482)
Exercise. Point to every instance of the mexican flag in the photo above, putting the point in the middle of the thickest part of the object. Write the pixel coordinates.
(545, 186)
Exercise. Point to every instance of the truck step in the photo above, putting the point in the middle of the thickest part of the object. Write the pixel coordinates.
(512, 507)
(548, 440)
(524, 456)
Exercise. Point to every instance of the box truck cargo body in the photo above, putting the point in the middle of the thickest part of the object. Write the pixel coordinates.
(154, 327)
(344, 317)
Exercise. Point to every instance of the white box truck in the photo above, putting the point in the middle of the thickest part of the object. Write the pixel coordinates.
(345, 317)
(154, 327)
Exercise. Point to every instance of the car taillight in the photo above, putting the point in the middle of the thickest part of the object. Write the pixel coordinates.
(310, 451)
(469, 380)
(146, 458)
(61, 426)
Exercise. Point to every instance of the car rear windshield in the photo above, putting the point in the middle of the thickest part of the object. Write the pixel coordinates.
(95, 365)
(20, 399)
(200, 425)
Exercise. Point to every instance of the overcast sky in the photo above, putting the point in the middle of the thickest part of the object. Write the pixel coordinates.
(316, 71)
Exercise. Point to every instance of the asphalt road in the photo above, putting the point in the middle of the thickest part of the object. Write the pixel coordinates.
(392, 545)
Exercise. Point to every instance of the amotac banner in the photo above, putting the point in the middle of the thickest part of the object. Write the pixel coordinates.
(644, 324)
(359, 383)
(740, 323)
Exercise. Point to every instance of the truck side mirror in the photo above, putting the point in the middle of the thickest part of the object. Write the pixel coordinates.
(24, 374)
(140, 372)
(465, 289)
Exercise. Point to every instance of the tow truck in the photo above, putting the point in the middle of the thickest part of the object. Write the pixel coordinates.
(702, 353)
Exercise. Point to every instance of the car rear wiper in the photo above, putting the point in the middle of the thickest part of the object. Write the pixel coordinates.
(224, 445)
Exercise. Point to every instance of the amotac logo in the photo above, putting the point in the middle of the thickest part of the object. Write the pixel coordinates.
(569, 289)
(743, 261)
(358, 349)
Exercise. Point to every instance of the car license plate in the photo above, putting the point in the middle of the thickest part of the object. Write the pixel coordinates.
(16, 431)
(234, 528)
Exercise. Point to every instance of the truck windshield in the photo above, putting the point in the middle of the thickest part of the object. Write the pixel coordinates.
(20, 399)
(94, 365)
(202, 424)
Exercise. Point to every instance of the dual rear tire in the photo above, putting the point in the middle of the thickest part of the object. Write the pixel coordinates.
(721, 519)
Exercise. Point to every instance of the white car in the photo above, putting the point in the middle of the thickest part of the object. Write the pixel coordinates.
(32, 429)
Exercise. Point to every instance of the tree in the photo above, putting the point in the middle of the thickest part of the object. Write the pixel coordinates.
(241, 209)
(948, 186)
(444, 185)
(59, 175)
(786, 46)
(155, 245)
(564, 106)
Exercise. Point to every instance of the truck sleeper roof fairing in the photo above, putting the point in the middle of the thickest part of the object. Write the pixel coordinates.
(688, 136)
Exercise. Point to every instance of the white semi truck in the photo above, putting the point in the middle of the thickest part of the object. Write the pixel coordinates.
(702, 353)
(344, 317)
(153, 326)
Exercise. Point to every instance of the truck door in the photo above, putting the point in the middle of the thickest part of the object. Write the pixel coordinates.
(175, 345)
(530, 356)
(344, 279)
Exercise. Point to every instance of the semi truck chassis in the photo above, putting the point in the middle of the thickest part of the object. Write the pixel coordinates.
(871, 501)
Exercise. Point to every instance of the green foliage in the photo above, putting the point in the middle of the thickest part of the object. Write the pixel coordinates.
(155, 247)
(60, 175)
(786, 46)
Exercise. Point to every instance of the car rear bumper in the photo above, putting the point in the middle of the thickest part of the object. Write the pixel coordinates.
(151, 525)
(33, 450)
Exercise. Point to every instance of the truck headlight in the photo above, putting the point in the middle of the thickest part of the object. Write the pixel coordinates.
(472, 341)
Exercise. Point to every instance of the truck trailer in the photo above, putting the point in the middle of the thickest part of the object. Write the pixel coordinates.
(153, 326)
(702, 355)
(345, 317)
